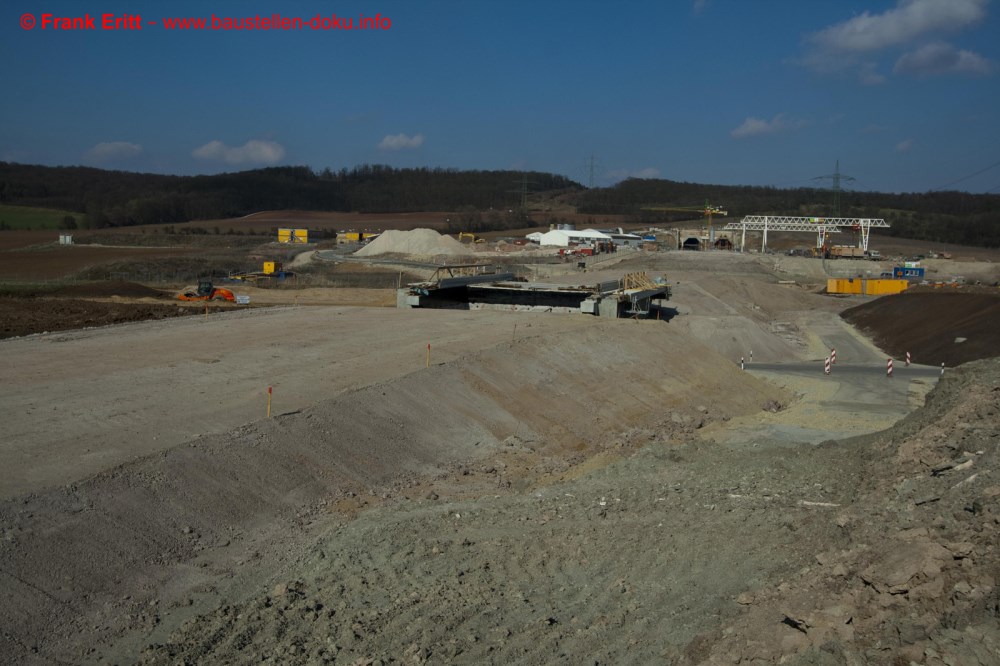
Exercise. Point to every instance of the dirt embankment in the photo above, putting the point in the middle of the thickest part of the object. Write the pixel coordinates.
(935, 327)
(126, 549)
(878, 550)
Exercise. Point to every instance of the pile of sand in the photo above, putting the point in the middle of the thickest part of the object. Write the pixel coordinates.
(420, 242)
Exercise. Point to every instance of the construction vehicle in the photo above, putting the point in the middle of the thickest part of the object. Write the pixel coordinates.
(464, 236)
(846, 252)
(208, 292)
(273, 273)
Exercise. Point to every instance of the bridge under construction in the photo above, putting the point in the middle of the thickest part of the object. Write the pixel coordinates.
(472, 287)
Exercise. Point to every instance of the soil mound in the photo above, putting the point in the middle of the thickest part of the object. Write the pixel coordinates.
(109, 288)
(21, 316)
(419, 242)
(935, 327)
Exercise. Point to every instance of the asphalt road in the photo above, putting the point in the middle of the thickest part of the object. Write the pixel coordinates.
(854, 399)
(853, 370)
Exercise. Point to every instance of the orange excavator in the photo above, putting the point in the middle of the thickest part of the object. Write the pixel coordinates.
(207, 292)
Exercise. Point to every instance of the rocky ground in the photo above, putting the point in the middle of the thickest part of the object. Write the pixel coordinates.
(525, 500)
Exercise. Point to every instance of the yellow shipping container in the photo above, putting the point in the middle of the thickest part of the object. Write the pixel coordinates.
(885, 287)
(844, 286)
(293, 235)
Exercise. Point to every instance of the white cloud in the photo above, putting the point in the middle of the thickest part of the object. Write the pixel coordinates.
(841, 46)
(700, 6)
(254, 151)
(755, 126)
(401, 142)
(940, 58)
(107, 151)
(904, 145)
(911, 19)
(869, 76)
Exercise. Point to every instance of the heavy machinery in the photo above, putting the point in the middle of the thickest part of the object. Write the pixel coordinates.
(465, 236)
(207, 292)
(273, 272)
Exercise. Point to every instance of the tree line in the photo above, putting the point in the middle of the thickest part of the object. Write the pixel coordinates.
(946, 216)
(478, 200)
(118, 198)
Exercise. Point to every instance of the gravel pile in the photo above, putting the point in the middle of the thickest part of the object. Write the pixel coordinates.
(419, 242)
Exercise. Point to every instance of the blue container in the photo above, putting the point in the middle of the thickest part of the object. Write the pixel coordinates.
(905, 272)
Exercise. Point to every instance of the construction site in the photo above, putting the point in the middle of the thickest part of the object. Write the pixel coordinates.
(492, 453)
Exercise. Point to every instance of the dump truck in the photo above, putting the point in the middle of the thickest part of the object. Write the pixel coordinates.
(207, 292)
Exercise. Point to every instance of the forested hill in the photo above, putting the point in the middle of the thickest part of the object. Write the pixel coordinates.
(950, 217)
(117, 198)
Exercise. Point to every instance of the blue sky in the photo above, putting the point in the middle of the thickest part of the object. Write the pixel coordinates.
(906, 94)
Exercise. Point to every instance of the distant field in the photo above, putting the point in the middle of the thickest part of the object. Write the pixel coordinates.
(23, 217)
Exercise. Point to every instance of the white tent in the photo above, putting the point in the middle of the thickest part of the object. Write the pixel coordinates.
(563, 237)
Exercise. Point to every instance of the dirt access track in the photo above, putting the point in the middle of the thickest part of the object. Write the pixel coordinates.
(550, 489)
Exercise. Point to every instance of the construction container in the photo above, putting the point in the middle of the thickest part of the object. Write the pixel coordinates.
(844, 286)
(271, 267)
(867, 287)
(293, 235)
(884, 287)
(915, 272)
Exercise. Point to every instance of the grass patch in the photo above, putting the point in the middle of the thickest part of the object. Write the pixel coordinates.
(30, 289)
(27, 218)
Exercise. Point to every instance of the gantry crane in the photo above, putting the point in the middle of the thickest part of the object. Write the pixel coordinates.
(706, 211)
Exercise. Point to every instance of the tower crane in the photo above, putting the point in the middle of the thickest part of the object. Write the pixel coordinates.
(706, 211)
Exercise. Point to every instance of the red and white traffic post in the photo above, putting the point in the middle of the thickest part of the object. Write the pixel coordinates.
(833, 356)
(888, 368)
(907, 358)
(826, 366)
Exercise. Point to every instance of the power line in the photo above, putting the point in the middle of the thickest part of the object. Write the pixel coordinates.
(971, 175)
